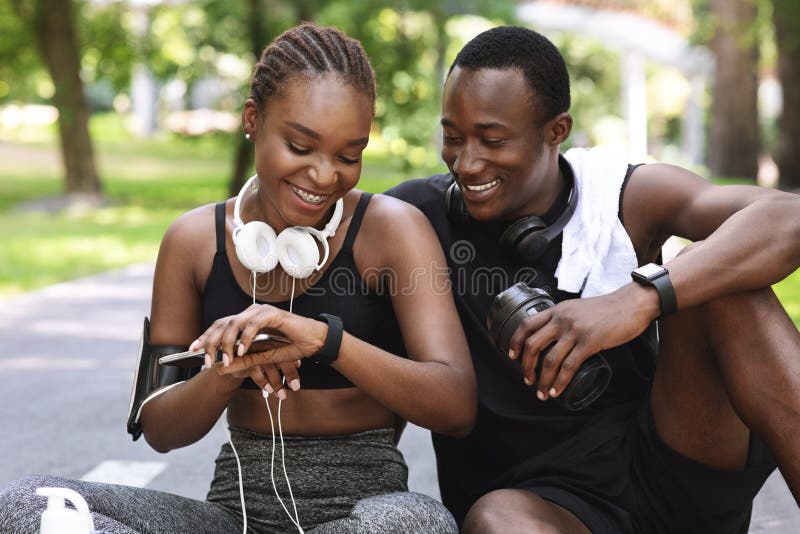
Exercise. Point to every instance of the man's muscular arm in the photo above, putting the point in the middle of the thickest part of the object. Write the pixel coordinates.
(750, 235)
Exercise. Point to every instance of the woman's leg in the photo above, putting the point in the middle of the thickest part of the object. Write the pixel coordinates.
(400, 513)
(115, 509)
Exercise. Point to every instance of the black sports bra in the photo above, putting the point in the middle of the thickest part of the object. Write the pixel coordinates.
(367, 314)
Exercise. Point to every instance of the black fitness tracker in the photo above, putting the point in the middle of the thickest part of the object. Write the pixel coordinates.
(657, 276)
(333, 340)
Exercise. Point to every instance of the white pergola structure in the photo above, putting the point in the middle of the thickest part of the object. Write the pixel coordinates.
(636, 39)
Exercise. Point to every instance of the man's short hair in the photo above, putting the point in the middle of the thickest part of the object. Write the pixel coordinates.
(541, 63)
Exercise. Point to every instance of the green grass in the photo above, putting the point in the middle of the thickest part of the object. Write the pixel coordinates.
(45, 249)
(788, 292)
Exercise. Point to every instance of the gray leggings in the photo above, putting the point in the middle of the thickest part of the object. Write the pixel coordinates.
(341, 484)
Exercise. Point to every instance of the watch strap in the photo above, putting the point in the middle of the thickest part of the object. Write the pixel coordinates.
(669, 302)
(333, 340)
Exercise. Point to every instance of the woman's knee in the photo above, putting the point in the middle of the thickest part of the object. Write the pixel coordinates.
(22, 492)
(20, 506)
(405, 512)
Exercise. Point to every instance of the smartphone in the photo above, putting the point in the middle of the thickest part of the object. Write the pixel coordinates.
(196, 358)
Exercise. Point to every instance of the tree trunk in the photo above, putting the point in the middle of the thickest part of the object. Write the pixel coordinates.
(439, 22)
(734, 142)
(786, 17)
(242, 162)
(57, 42)
(243, 159)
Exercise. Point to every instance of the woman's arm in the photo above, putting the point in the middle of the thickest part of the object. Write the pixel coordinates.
(435, 388)
(185, 413)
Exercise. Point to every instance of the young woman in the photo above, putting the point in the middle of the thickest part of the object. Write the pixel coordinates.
(389, 349)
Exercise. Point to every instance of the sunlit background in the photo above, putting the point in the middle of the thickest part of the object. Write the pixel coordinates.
(117, 116)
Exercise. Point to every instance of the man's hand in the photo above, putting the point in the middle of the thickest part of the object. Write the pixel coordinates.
(578, 329)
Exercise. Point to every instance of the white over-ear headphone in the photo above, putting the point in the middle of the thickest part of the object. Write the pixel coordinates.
(260, 250)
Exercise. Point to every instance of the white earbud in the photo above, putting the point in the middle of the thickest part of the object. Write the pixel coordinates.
(260, 250)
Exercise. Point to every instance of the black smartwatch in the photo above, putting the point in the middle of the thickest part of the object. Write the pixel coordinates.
(333, 340)
(657, 276)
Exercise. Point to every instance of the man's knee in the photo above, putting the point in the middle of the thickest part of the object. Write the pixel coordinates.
(510, 511)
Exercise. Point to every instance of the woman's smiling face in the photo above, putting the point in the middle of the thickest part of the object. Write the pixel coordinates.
(308, 145)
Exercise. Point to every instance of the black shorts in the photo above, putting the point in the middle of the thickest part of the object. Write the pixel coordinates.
(617, 476)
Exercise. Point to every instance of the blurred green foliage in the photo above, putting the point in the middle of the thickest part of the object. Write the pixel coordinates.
(594, 85)
(108, 49)
(19, 63)
(149, 182)
(408, 41)
(411, 44)
(107, 58)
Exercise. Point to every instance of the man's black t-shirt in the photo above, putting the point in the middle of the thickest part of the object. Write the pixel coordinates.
(512, 424)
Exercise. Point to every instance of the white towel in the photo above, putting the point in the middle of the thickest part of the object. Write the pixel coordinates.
(597, 254)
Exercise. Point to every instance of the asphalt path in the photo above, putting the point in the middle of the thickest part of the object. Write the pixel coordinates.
(67, 354)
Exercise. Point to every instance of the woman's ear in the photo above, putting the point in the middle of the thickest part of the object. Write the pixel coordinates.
(559, 129)
(250, 117)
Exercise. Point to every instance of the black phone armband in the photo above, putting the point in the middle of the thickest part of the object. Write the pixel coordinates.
(151, 379)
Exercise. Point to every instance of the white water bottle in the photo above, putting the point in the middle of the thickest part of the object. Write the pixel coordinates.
(58, 519)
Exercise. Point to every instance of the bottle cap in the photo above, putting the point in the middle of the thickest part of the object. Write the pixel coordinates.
(58, 519)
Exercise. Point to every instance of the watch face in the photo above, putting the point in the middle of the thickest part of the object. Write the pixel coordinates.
(650, 270)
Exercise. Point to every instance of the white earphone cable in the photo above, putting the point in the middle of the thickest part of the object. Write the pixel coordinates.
(238, 468)
(296, 519)
(280, 432)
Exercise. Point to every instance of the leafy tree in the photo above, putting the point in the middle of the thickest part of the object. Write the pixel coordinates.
(51, 23)
(259, 34)
(20, 66)
(107, 45)
(734, 142)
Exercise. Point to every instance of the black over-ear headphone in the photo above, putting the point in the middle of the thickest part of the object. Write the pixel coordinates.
(527, 238)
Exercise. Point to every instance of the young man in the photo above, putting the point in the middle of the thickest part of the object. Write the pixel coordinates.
(677, 443)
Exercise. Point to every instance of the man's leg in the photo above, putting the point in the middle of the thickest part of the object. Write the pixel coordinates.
(725, 368)
(516, 510)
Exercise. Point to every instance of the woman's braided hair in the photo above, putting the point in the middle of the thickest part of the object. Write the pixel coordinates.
(309, 50)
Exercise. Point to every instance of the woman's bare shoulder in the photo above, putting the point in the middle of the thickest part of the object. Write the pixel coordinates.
(193, 230)
(394, 230)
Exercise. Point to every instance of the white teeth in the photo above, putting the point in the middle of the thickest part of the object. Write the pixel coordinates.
(308, 197)
(483, 187)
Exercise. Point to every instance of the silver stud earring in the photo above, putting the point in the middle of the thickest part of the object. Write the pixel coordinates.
(247, 136)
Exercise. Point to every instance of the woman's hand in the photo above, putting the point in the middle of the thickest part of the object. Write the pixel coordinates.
(273, 378)
(307, 336)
